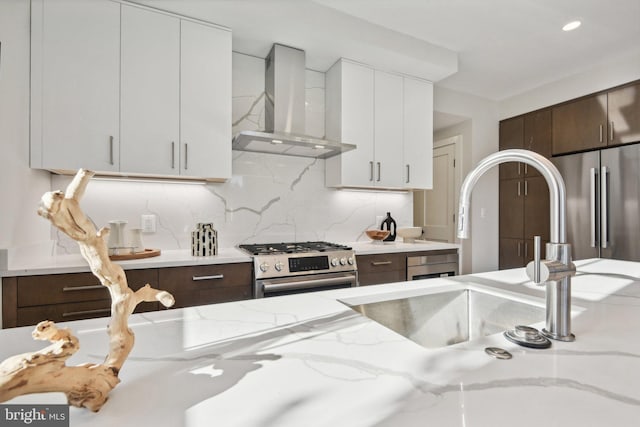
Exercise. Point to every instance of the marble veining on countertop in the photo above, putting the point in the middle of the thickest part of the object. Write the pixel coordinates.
(37, 263)
(370, 248)
(308, 359)
(74, 263)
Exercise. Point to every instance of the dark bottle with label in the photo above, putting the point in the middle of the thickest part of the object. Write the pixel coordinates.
(389, 224)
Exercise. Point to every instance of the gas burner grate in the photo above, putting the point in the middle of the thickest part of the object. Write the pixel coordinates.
(292, 247)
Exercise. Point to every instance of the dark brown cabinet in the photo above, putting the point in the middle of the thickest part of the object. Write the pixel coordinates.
(623, 107)
(532, 132)
(28, 300)
(381, 268)
(524, 195)
(597, 121)
(580, 125)
(207, 284)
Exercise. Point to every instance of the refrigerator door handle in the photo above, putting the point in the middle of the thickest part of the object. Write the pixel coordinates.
(594, 207)
(604, 207)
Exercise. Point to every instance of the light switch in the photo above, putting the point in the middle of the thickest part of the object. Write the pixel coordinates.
(148, 223)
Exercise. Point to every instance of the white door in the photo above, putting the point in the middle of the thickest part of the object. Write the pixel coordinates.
(75, 85)
(150, 97)
(440, 202)
(205, 101)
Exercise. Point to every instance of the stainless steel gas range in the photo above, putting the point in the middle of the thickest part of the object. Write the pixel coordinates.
(288, 268)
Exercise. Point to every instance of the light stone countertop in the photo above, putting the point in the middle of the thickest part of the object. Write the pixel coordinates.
(309, 360)
(27, 265)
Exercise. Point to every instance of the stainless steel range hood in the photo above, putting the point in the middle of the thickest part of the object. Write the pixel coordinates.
(285, 112)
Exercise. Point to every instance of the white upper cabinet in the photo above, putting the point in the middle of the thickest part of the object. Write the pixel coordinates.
(150, 97)
(205, 101)
(121, 88)
(388, 130)
(350, 118)
(75, 85)
(418, 134)
(389, 117)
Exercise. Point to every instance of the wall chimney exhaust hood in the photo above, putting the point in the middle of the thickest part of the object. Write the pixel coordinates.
(285, 112)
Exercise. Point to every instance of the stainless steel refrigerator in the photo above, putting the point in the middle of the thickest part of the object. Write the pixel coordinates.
(603, 202)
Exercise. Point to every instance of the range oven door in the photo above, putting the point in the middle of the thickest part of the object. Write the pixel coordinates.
(299, 284)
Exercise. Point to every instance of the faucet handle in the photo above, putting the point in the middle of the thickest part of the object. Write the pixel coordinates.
(536, 258)
(539, 271)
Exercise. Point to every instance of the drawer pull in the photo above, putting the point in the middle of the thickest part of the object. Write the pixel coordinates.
(83, 312)
(82, 288)
(376, 263)
(215, 276)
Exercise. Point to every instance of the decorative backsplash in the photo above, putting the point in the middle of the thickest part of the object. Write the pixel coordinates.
(270, 198)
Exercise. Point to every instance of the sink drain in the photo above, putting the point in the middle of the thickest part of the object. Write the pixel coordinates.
(527, 336)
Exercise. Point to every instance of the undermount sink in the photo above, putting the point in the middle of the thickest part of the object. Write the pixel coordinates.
(451, 317)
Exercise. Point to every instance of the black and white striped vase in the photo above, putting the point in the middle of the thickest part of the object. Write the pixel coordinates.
(204, 240)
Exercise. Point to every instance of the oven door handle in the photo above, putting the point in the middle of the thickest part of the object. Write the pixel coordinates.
(305, 284)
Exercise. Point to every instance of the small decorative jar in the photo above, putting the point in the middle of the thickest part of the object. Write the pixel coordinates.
(204, 240)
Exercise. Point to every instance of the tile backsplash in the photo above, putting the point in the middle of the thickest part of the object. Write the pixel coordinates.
(269, 198)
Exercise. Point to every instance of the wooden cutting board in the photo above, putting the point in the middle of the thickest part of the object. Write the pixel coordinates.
(147, 253)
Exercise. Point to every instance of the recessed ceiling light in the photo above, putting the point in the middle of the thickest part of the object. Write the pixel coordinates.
(571, 25)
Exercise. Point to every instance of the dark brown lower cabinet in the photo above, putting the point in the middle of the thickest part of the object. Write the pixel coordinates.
(524, 214)
(381, 268)
(27, 300)
(516, 253)
(207, 284)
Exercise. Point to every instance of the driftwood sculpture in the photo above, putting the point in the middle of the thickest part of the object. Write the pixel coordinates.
(85, 385)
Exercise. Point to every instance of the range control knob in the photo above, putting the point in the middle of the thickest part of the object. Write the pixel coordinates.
(334, 262)
(343, 261)
(350, 260)
(278, 265)
(264, 267)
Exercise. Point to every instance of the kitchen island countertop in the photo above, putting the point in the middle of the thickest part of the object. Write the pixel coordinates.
(309, 360)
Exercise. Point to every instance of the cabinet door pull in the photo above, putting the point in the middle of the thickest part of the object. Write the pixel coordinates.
(186, 156)
(370, 171)
(526, 169)
(600, 128)
(526, 188)
(379, 168)
(519, 249)
(173, 155)
(82, 288)
(213, 277)
(408, 173)
(518, 188)
(111, 150)
(378, 263)
(518, 168)
(83, 312)
(526, 251)
(611, 131)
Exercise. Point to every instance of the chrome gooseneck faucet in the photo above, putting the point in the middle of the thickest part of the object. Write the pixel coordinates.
(555, 272)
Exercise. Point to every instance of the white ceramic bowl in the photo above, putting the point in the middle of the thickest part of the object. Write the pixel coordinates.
(409, 234)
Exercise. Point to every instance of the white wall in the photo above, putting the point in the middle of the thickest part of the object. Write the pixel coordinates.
(480, 138)
(20, 187)
(601, 77)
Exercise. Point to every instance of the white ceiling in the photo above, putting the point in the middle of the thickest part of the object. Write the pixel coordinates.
(490, 48)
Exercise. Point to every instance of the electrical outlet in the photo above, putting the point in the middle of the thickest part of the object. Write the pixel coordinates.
(148, 223)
